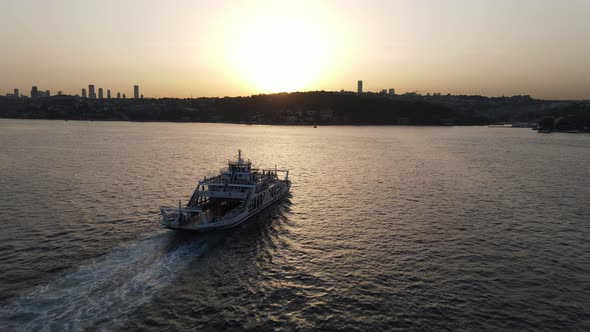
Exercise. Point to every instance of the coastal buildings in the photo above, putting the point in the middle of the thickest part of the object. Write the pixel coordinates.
(37, 93)
(388, 92)
(91, 93)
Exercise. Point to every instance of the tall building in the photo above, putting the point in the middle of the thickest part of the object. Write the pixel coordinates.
(108, 94)
(91, 93)
(99, 93)
(136, 91)
(360, 86)
(59, 93)
(392, 92)
(124, 96)
(118, 95)
(16, 93)
(47, 93)
(83, 93)
(34, 92)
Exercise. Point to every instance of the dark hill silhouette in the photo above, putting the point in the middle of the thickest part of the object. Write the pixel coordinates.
(317, 107)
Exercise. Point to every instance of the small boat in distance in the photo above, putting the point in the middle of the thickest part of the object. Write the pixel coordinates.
(228, 199)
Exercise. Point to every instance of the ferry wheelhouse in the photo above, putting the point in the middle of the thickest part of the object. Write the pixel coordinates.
(226, 200)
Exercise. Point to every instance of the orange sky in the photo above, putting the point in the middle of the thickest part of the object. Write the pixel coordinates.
(229, 48)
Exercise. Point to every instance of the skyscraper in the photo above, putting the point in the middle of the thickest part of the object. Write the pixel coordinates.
(99, 93)
(392, 92)
(83, 93)
(34, 92)
(47, 93)
(136, 91)
(16, 93)
(118, 95)
(124, 96)
(360, 86)
(108, 94)
(91, 93)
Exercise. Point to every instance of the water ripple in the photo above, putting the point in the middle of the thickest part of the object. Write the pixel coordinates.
(386, 228)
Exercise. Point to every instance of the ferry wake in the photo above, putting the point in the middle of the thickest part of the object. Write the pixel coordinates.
(228, 199)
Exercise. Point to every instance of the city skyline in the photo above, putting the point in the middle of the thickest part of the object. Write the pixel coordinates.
(136, 95)
(535, 48)
(36, 93)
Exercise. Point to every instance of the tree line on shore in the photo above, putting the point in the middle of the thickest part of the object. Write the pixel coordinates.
(319, 107)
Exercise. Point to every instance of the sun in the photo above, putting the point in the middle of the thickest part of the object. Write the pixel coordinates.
(279, 53)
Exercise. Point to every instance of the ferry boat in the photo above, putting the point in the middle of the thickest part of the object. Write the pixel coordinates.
(226, 200)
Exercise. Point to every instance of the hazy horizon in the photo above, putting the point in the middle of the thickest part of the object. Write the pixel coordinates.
(233, 48)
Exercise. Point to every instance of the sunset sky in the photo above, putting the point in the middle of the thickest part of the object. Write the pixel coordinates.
(180, 48)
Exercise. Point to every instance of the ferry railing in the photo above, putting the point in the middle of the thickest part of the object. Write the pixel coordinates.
(169, 213)
(235, 162)
(212, 178)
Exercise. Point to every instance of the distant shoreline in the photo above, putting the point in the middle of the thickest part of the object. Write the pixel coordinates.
(319, 108)
(248, 124)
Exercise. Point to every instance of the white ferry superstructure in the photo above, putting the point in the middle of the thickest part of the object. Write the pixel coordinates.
(228, 199)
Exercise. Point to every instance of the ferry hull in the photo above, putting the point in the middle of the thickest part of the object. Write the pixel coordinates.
(239, 219)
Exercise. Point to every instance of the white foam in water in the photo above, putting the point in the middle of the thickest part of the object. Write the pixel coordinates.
(104, 292)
